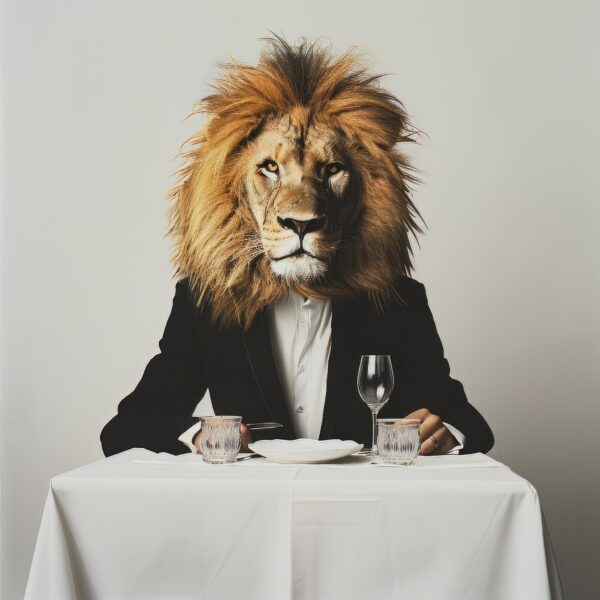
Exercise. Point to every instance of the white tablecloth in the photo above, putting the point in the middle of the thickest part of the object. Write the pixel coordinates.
(144, 525)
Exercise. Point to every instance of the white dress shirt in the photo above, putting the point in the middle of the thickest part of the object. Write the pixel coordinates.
(301, 340)
(300, 331)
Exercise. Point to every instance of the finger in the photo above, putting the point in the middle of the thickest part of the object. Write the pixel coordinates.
(246, 438)
(446, 446)
(196, 442)
(428, 446)
(430, 425)
(420, 414)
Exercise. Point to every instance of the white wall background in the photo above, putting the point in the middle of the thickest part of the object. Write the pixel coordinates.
(93, 98)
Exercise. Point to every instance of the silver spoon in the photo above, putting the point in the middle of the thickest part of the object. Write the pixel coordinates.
(267, 425)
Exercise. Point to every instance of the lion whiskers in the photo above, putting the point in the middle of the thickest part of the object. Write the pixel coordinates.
(247, 254)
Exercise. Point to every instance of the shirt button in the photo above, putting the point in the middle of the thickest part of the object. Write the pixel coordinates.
(300, 409)
(301, 369)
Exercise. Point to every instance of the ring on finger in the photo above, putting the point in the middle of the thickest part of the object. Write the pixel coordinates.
(434, 440)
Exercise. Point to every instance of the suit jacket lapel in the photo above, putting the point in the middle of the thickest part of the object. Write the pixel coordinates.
(340, 370)
(259, 352)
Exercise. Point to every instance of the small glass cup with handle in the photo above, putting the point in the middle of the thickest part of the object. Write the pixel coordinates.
(220, 439)
(398, 441)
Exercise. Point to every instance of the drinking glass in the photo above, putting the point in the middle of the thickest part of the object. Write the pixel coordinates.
(220, 439)
(375, 383)
(398, 440)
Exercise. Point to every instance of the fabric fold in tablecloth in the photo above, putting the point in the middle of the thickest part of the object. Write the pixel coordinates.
(170, 538)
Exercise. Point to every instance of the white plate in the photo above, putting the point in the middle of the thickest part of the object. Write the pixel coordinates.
(304, 450)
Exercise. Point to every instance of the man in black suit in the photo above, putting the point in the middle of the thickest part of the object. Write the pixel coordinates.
(292, 222)
(239, 370)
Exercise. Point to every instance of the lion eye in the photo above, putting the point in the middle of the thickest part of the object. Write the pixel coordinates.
(334, 167)
(270, 169)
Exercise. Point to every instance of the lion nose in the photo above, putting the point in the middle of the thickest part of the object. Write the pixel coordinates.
(302, 227)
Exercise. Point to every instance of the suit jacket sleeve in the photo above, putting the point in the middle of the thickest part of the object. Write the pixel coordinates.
(427, 382)
(159, 409)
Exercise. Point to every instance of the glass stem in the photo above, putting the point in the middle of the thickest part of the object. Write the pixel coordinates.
(374, 444)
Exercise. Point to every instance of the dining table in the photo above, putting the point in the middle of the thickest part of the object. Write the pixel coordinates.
(146, 525)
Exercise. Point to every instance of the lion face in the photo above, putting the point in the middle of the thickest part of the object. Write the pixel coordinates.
(294, 181)
(298, 187)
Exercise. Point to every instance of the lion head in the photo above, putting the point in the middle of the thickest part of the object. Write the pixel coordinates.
(294, 180)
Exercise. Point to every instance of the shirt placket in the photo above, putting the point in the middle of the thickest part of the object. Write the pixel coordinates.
(302, 381)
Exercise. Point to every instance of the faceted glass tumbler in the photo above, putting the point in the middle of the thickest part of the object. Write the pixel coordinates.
(220, 439)
(398, 440)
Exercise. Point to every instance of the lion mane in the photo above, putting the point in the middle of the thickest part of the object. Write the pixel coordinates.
(215, 241)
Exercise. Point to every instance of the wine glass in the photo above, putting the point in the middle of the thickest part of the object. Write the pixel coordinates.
(375, 383)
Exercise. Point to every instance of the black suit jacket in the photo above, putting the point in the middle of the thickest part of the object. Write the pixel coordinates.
(239, 370)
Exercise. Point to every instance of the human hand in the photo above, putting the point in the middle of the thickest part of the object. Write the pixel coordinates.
(432, 431)
(246, 438)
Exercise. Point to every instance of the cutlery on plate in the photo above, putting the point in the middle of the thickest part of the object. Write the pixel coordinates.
(243, 458)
